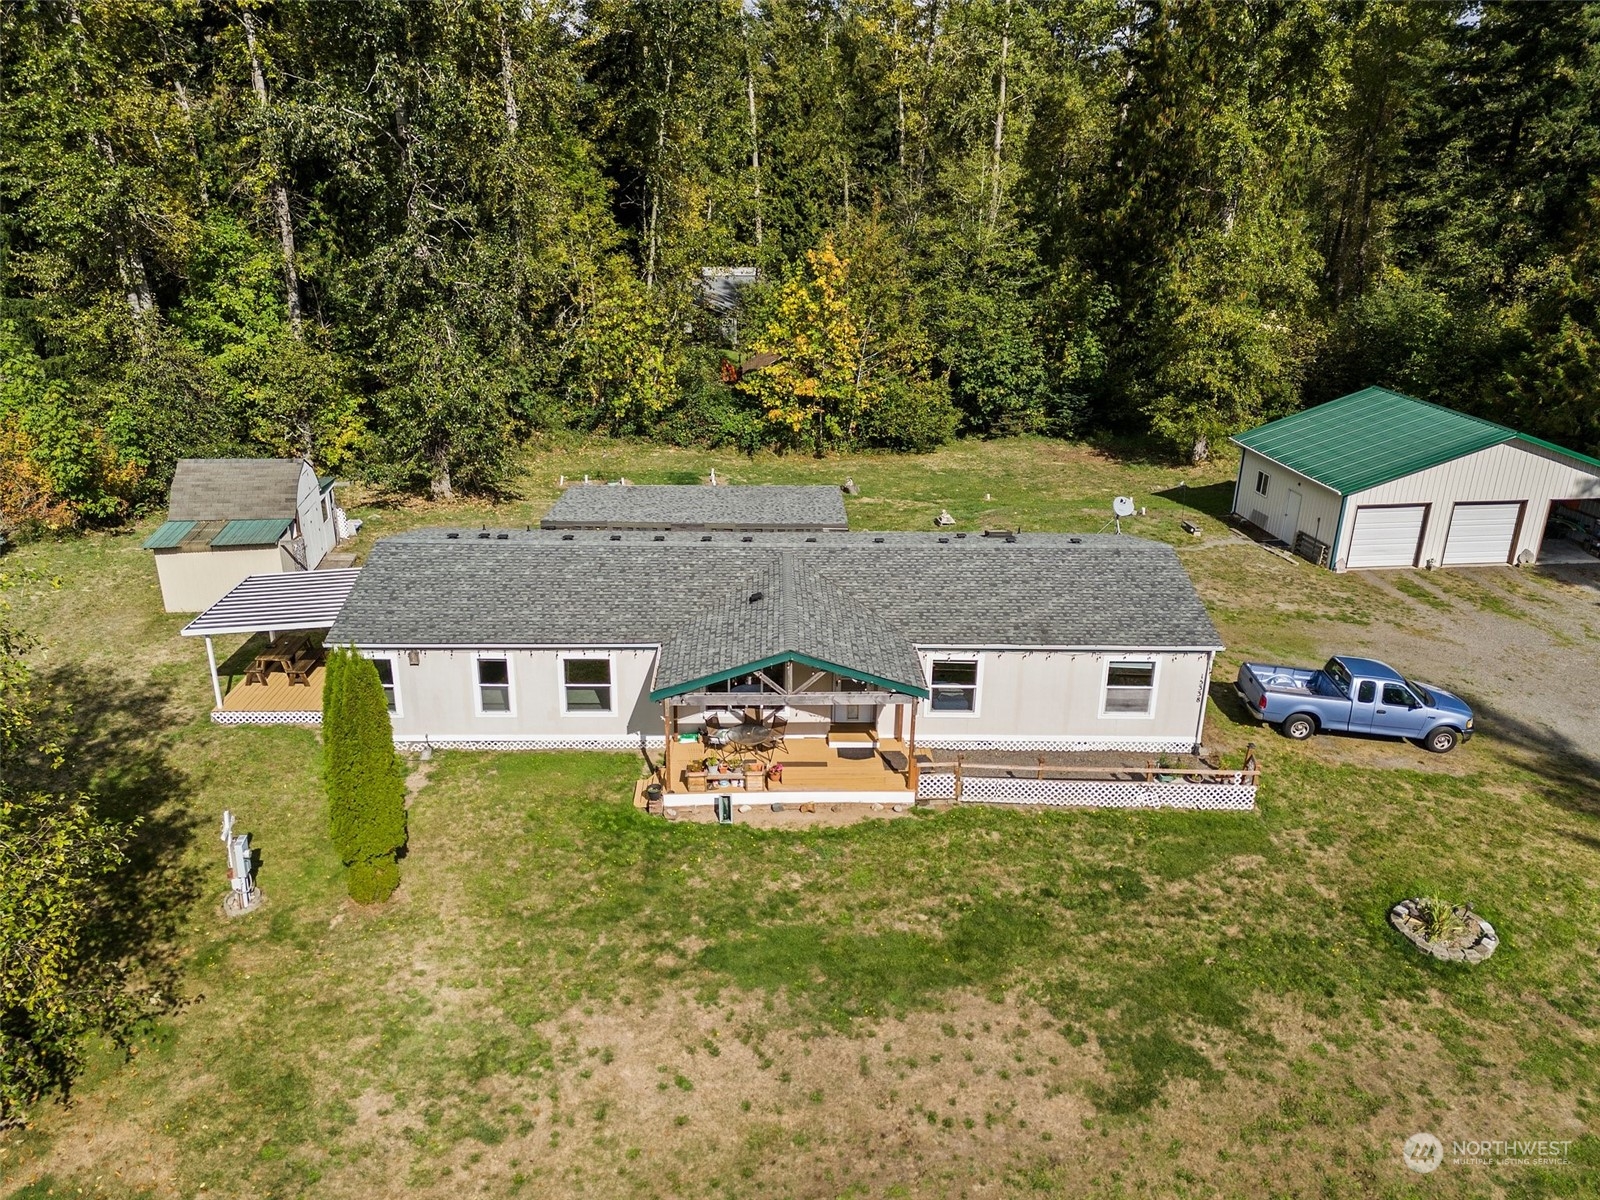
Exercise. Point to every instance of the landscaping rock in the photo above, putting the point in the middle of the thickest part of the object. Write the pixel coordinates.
(1475, 940)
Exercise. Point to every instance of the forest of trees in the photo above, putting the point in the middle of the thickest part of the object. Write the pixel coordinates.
(401, 236)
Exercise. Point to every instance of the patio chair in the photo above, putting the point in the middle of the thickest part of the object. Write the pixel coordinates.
(779, 726)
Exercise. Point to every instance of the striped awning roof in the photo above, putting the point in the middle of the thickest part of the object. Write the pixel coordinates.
(270, 603)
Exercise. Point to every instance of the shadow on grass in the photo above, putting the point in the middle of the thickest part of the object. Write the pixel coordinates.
(1567, 770)
(112, 728)
(1230, 706)
(1213, 499)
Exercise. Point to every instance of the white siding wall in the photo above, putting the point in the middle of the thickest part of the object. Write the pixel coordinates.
(318, 531)
(438, 698)
(1319, 505)
(195, 580)
(1025, 698)
(1040, 697)
(1505, 472)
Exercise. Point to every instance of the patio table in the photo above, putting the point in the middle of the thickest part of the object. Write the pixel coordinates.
(754, 737)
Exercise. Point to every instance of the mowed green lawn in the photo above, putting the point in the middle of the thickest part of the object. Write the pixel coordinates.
(567, 998)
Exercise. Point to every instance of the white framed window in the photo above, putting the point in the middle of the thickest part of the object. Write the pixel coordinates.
(586, 684)
(325, 514)
(492, 685)
(1130, 688)
(388, 676)
(1263, 482)
(953, 687)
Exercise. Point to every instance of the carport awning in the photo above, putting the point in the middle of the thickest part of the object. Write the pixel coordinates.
(268, 603)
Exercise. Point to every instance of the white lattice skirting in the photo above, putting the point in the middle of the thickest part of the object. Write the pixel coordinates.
(219, 717)
(619, 741)
(1091, 793)
(999, 742)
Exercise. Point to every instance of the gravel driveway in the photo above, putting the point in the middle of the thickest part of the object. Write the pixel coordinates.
(1522, 646)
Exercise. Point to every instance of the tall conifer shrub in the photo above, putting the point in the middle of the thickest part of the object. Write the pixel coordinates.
(364, 777)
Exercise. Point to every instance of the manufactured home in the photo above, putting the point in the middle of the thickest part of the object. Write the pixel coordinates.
(1379, 479)
(869, 644)
(230, 518)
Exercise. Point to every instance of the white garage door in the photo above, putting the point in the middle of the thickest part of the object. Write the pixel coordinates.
(1481, 533)
(1386, 535)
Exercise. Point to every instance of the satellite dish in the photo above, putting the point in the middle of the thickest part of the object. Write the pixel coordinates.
(1122, 506)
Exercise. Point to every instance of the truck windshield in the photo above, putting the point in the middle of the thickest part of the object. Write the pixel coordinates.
(1427, 696)
(1335, 670)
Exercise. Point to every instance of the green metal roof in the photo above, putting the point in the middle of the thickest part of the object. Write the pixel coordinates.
(265, 532)
(1584, 458)
(1370, 437)
(169, 535)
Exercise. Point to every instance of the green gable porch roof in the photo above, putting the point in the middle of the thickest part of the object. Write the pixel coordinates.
(1371, 437)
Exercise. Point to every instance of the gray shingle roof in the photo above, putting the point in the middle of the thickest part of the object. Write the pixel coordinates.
(697, 506)
(854, 599)
(234, 489)
(783, 610)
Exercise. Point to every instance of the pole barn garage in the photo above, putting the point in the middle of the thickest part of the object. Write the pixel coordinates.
(1379, 479)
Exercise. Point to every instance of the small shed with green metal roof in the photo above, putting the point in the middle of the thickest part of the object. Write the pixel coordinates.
(1381, 479)
(230, 518)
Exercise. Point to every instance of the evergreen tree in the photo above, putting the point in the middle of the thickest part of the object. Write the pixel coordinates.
(364, 776)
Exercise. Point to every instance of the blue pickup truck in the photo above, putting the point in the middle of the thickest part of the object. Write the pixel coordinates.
(1353, 695)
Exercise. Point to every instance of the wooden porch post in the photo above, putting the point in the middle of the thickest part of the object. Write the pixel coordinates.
(899, 722)
(666, 743)
(913, 772)
(211, 657)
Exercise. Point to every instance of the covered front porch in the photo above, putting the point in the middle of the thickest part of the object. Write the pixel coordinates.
(274, 677)
(794, 729)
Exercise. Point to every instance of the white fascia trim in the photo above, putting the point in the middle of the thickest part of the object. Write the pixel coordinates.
(1017, 649)
(472, 647)
(1312, 480)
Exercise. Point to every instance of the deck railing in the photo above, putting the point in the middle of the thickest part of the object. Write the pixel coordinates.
(1149, 786)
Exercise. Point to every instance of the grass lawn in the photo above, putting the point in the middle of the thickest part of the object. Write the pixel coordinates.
(567, 998)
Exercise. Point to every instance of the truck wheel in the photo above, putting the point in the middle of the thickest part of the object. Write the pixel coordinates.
(1442, 741)
(1299, 727)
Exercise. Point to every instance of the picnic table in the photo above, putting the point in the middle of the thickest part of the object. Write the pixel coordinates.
(292, 656)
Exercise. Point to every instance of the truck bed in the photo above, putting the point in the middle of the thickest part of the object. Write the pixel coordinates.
(1298, 681)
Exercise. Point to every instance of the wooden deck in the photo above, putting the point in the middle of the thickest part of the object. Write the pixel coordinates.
(277, 694)
(809, 765)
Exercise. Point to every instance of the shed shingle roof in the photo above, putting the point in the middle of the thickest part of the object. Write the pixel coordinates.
(860, 601)
(698, 506)
(234, 489)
